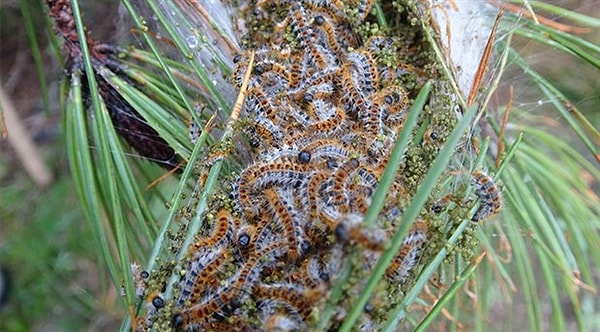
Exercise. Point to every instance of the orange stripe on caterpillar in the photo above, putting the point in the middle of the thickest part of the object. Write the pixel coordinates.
(409, 254)
(285, 214)
(489, 194)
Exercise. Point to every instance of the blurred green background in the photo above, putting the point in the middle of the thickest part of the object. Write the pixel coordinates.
(46, 245)
(57, 282)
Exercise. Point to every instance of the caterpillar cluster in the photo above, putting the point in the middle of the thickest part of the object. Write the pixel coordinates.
(322, 112)
(321, 116)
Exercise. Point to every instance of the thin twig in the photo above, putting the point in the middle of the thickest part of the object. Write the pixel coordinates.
(239, 102)
(485, 58)
(22, 142)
